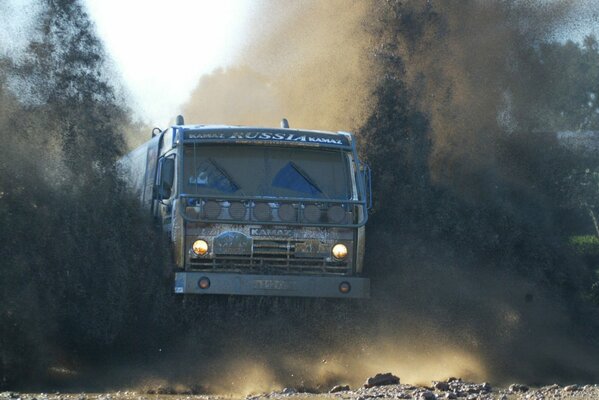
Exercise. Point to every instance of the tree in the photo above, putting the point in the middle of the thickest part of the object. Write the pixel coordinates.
(582, 189)
(559, 88)
(73, 285)
(467, 185)
(65, 71)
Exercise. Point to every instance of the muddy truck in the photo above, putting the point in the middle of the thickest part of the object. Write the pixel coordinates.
(257, 211)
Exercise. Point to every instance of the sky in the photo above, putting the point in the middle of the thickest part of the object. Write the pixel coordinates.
(583, 20)
(161, 48)
(16, 23)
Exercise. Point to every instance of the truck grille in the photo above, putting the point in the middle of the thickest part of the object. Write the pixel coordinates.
(271, 257)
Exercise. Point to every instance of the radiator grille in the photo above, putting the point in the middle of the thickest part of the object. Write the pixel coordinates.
(271, 257)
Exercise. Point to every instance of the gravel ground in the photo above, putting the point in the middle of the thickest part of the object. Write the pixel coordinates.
(373, 389)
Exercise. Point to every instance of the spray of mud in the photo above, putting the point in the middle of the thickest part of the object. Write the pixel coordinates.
(440, 309)
(306, 61)
(429, 322)
(466, 66)
(59, 191)
(466, 278)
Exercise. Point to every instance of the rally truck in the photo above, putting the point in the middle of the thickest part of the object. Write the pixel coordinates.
(257, 211)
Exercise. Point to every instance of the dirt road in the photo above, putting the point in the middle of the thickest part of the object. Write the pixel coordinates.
(451, 389)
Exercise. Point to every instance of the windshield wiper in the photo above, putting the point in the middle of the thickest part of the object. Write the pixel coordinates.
(226, 175)
(306, 177)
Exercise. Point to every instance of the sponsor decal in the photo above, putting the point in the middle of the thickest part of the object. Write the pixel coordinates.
(271, 232)
(296, 137)
(232, 243)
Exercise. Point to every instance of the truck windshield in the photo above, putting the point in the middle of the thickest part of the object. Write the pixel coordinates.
(266, 171)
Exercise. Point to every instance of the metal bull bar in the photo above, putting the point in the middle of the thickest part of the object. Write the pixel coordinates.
(218, 209)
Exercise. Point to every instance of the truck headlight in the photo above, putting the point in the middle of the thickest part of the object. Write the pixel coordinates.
(339, 251)
(200, 247)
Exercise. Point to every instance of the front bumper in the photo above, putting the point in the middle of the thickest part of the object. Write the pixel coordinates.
(271, 285)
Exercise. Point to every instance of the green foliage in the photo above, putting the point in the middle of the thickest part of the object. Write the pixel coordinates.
(585, 244)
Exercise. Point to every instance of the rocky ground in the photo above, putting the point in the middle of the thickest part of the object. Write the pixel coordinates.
(383, 386)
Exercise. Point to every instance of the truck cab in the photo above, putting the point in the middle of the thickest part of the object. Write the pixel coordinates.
(258, 211)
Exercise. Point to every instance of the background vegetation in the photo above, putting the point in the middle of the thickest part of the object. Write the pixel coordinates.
(476, 203)
(476, 196)
(70, 286)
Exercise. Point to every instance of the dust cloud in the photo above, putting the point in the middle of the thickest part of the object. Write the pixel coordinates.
(308, 345)
(466, 66)
(305, 61)
(441, 95)
(429, 322)
(470, 277)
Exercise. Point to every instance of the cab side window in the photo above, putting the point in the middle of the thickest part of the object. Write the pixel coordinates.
(166, 177)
